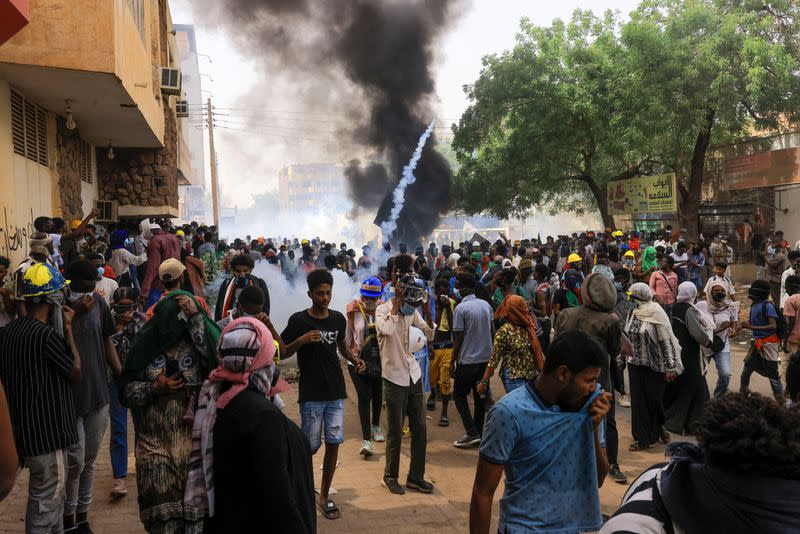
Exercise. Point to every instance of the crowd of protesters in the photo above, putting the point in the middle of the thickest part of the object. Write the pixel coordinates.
(101, 321)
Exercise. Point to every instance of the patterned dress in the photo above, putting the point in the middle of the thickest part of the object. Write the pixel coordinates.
(513, 352)
(165, 436)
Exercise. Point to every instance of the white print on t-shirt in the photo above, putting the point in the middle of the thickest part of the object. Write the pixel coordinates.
(328, 336)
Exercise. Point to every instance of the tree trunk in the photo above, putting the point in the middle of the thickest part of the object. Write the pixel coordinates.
(600, 194)
(688, 210)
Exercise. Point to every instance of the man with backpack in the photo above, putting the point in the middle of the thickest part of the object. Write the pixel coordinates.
(442, 350)
(769, 328)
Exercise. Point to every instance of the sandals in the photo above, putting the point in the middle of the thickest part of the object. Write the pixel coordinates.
(665, 437)
(636, 446)
(444, 421)
(329, 510)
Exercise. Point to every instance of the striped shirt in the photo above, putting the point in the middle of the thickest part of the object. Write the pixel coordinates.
(642, 509)
(35, 362)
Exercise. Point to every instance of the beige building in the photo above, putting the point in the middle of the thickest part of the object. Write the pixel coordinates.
(309, 186)
(87, 114)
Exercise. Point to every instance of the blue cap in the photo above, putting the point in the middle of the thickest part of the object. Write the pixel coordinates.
(372, 287)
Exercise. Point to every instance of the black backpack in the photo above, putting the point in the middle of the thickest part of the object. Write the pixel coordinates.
(781, 326)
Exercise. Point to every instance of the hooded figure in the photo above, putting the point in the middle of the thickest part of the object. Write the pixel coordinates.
(596, 317)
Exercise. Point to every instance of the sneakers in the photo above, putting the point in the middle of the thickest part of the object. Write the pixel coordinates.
(83, 528)
(393, 486)
(377, 434)
(422, 486)
(616, 475)
(466, 441)
(625, 401)
(119, 490)
(366, 448)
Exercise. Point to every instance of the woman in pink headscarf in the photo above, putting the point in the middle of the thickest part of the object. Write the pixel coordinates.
(250, 466)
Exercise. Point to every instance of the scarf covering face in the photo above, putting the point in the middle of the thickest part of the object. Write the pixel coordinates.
(117, 239)
(514, 310)
(649, 259)
(162, 331)
(57, 299)
(246, 358)
(713, 305)
(38, 244)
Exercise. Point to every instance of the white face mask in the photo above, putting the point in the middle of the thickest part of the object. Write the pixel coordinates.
(75, 296)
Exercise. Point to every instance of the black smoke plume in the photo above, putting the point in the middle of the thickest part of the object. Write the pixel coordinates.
(373, 60)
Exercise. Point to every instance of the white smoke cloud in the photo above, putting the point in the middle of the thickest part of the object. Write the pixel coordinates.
(399, 195)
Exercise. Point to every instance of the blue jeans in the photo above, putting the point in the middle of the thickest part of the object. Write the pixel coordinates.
(315, 414)
(510, 384)
(723, 362)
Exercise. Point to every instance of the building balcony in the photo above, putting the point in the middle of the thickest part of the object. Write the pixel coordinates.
(100, 55)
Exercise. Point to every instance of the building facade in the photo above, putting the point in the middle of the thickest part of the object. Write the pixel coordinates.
(194, 196)
(304, 187)
(84, 116)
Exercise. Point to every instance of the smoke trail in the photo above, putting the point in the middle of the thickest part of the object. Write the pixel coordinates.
(371, 62)
(399, 195)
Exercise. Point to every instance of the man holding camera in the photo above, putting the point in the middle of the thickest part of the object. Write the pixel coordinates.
(400, 326)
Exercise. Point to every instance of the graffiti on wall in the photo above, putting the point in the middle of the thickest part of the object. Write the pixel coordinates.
(13, 237)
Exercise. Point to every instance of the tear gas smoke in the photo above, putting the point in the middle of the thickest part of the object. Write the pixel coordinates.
(370, 61)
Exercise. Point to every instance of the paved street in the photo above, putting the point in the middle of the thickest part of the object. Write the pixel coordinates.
(365, 505)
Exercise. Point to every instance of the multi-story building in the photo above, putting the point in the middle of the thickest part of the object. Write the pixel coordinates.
(87, 114)
(193, 197)
(309, 186)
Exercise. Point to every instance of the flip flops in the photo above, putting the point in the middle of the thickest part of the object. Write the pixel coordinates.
(329, 510)
(444, 421)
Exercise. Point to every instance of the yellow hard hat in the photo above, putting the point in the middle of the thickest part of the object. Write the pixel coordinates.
(617, 233)
(630, 254)
(573, 258)
(304, 242)
(74, 224)
(180, 233)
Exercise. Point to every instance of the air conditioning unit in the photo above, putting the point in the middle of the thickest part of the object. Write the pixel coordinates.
(106, 211)
(182, 109)
(170, 81)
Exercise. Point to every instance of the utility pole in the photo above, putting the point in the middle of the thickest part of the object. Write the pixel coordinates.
(214, 185)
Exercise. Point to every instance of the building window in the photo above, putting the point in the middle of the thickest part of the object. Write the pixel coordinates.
(28, 129)
(85, 161)
(137, 12)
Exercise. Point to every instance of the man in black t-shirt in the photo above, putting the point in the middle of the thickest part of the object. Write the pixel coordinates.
(315, 334)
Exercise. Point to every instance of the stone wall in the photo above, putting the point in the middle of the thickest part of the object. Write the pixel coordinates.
(142, 176)
(68, 154)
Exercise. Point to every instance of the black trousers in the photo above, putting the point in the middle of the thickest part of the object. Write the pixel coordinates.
(466, 381)
(370, 395)
(647, 404)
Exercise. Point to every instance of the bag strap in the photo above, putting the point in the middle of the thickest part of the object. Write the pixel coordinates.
(668, 284)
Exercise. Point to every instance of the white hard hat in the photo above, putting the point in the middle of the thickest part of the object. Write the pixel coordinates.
(416, 339)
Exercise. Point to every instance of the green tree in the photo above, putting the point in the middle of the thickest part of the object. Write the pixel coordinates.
(576, 105)
(712, 71)
(550, 122)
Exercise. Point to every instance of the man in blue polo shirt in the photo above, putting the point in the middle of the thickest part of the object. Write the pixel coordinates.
(547, 438)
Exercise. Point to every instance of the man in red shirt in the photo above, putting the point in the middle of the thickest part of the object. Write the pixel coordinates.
(161, 247)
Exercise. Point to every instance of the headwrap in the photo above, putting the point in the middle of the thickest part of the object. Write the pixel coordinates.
(687, 292)
(649, 259)
(713, 305)
(514, 310)
(452, 260)
(572, 284)
(117, 239)
(246, 358)
(655, 323)
(162, 331)
(56, 298)
(144, 230)
(38, 243)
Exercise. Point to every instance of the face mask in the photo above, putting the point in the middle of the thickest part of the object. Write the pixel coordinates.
(718, 297)
(241, 280)
(100, 271)
(619, 286)
(457, 294)
(407, 309)
(129, 241)
(75, 296)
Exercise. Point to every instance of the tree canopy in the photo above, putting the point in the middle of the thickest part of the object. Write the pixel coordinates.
(578, 104)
